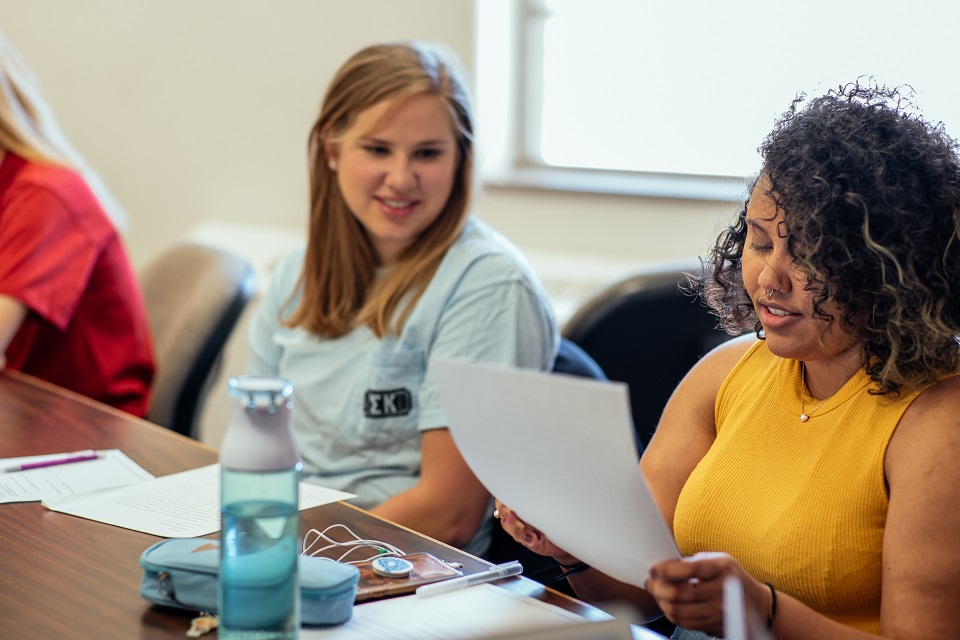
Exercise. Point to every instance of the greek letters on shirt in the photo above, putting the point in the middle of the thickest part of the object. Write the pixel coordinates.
(387, 404)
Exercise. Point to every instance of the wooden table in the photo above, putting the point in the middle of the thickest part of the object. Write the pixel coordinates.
(67, 577)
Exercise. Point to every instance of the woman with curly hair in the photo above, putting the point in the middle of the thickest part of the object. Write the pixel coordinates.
(815, 459)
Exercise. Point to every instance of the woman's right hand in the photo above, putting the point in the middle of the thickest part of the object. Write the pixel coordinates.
(530, 537)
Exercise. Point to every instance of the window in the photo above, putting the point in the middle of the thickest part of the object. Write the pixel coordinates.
(669, 97)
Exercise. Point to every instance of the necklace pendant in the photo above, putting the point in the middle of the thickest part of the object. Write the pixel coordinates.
(804, 417)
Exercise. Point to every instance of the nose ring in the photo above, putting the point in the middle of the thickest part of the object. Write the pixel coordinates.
(770, 293)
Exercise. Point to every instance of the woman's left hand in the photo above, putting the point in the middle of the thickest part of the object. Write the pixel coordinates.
(689, 591)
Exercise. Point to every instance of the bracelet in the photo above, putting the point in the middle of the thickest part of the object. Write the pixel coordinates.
(569, 570)
(772, 611)
(568, 566)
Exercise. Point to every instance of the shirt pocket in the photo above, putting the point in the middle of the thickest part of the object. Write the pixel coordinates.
(389, 399)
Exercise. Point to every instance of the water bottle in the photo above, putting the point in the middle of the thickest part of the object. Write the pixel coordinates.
(259, 592)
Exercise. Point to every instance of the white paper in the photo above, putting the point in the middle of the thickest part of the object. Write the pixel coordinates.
(113, 469)
(559, 450)
(734, 610)
(474, 612)
(180, 505)
(738, 624)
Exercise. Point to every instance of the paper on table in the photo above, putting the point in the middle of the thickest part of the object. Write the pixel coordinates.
(113, 469)
(474, 612)
(180, 505)
(559, 450)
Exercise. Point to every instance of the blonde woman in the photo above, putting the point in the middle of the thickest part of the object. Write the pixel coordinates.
(71, 311)
(395, 274)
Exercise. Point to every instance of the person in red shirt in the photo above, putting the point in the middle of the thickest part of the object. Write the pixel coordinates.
(71, 310)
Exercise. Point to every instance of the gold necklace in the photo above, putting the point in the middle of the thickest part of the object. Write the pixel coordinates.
(804, 416)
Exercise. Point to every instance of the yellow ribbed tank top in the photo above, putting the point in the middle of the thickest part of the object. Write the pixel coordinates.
(801, 505)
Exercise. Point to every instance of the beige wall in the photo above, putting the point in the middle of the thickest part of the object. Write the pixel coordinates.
(195, 113)
(200, 108)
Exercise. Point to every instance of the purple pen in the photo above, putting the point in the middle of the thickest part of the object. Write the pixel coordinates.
(67, 458)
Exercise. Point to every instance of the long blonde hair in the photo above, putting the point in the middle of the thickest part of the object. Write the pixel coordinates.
(339, 291)
(29, 129)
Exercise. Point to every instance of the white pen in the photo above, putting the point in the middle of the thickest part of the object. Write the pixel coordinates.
(513, 568)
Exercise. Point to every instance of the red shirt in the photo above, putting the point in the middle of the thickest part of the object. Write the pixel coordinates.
(86, 328)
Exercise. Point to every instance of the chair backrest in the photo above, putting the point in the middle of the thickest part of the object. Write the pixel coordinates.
(573, 360)
(194, 296)
(645, 331)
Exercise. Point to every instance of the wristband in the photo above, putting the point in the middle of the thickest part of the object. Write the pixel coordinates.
(567, 566)
(571, 569)
(772, 611)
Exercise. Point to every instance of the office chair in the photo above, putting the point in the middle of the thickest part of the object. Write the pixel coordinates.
(645, 331)
(194, 297)
(570, 360)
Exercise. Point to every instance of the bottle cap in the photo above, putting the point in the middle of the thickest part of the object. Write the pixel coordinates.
(261, 392)
(260, 437)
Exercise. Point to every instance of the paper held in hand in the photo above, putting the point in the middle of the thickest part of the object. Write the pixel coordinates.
(559, 450)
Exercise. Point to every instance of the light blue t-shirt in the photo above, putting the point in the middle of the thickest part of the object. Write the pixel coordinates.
(361, 402)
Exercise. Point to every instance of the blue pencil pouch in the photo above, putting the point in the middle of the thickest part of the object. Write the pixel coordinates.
(183, 573)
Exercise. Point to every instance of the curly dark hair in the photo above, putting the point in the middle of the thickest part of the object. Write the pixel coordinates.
(870, 194)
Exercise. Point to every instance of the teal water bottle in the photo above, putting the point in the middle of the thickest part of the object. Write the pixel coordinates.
(259, 592)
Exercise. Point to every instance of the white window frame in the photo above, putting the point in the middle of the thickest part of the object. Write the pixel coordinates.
(508, 67)
(508, 58)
